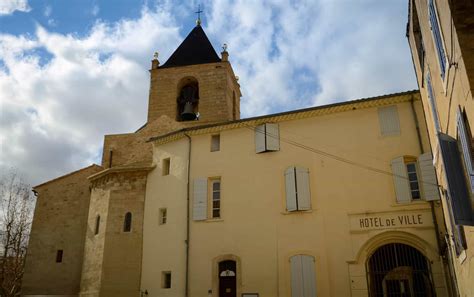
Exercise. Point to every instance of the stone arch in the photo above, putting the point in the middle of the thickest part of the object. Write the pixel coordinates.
(215, 272)
(187, 93)
(371, 245)
(358, 266)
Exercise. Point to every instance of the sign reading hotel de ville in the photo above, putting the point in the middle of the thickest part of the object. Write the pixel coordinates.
(391, 220)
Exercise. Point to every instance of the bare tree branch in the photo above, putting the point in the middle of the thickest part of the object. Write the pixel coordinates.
(16, 207)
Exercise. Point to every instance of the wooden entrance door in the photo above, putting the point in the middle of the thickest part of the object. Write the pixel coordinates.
(227, 279)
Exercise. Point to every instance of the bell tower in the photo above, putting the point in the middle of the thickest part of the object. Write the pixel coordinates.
(194, 85)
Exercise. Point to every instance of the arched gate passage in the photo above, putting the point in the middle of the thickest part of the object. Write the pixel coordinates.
(399, 270)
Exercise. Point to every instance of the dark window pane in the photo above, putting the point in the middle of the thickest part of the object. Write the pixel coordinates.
(216, 186)
(216, 195)
(415, 194)
(216, 204)
(411, 167)
(412, 176)
(216, 213)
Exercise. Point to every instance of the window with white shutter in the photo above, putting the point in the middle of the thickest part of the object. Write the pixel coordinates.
(432, 100)
(414, 178)
(298, 196)
(303, 277)
(200, 199)
(389, 121)
(437, 37)
(400, 180)
(429, 182)
(465, 140)
(267, 138)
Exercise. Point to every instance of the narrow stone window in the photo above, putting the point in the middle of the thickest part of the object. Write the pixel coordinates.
(127, 223)
(163, 216)
(59, 256)
(215, 143)
(97, 225)
(166, 166)
(166, 279)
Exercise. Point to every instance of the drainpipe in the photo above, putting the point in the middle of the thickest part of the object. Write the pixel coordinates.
(186, 286)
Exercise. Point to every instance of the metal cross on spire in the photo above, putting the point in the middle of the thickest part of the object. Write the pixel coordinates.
(199, 11)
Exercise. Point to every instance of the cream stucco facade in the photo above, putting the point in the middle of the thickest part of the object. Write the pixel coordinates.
(256, 230)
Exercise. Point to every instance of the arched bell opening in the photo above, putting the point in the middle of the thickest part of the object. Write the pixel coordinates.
(399, 270)
(188, 99)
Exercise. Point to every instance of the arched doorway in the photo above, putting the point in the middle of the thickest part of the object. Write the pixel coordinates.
(399, 270)
(227, 279)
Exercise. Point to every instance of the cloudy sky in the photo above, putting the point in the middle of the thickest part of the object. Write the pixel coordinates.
(72, 71)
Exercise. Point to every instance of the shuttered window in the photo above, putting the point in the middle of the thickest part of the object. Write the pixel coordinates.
(465, 139)
(428, 177)
(298, 196)
(303, 278)
(437, 37)
(267, 138)
(200, 199)
(432, 100)
(389, 121)
(414, 178)
(400, 180)
(458, 191)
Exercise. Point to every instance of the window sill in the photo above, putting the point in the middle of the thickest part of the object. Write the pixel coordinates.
(297, 211)
(416, 202)
(214, 220)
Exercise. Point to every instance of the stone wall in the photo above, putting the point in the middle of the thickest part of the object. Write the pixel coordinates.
(59, 224)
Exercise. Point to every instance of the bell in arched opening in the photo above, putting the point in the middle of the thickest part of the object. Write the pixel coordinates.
(188, 102)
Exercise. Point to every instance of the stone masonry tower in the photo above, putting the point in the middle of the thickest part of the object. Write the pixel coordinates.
(193, 87)
(196, 69)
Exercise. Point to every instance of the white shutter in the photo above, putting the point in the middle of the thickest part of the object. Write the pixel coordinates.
(273, 137)
(290, 187)
(389, 121)
(296, 276)
(260, 144)
(428, 177)
(309, 279)
(200, 199)
(400, 180)
(466, 150)
(302, 188)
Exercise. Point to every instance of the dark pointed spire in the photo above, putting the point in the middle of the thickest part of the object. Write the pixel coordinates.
(195, 49)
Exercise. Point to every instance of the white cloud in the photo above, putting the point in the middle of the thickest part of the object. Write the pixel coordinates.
(10, 6)
(287, 55)
(54, 115)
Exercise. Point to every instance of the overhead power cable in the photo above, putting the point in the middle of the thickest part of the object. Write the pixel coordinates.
(335, 157)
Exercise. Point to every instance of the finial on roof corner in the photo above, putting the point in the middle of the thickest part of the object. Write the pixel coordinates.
(199, 11)
(155, 63)
(224, 53)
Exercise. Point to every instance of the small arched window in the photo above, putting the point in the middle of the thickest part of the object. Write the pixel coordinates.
(97, 224)
(127, 223)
